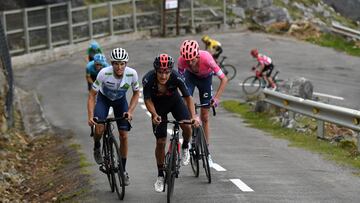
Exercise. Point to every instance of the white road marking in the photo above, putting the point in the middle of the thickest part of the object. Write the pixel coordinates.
(248, 84)
(141, 100)
(143, 106)
(241, 185)
(327, 95)
(148, 113)
(217, 167)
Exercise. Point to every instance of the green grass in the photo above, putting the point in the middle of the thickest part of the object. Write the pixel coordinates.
(342, 153)
(83, 163)
(336, 42)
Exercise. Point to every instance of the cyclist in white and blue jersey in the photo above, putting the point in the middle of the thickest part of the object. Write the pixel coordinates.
(109, 89)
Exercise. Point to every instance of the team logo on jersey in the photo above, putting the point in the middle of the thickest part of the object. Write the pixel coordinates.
(205, 95)
(126, 86)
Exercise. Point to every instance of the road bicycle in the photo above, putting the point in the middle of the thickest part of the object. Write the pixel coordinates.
(172, 157)
(112, 165)
(228, 69)
(252, 84)
(199, 148)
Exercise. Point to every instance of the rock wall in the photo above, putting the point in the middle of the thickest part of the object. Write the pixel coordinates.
(348, 8)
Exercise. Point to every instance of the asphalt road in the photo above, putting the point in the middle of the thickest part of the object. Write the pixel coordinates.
(266, 169)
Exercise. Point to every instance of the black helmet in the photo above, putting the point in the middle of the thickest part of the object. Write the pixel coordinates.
(163, 62)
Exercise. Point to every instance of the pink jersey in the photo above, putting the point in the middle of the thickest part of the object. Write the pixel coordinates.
(206, 66)
(264, 60)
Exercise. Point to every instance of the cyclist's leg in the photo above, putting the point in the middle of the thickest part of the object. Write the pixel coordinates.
(268, 75)
(180, 112)
(205, 91)
(101, 110)
(190, 80)
(120, 106)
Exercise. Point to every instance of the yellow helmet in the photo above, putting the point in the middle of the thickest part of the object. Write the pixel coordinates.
(205, 38)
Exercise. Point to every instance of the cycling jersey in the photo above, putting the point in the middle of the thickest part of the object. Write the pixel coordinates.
(175, 81)
(91, 69)
(91, 53)
(214, 47)
(114, 88)
(263, 60)
(206, 66)
(169, 101)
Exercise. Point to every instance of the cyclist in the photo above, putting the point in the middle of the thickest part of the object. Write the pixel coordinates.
(109, 89)
(94, 67)
(161, 97)
(265, 65)
(198, 66)
(94, 48)
(212, 46)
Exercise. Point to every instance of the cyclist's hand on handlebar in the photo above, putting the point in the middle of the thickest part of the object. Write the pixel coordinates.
(156, 119)
(253, 68)
(195, 122)
(214, 102)
(91, 122)
(127, 116)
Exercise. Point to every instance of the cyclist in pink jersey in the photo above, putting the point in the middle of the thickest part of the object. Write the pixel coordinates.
(198, 67)
(265, 65)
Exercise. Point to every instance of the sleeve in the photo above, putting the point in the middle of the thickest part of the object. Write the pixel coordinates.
(215, 67)
(146, 86)
(181, 67)
(88, 67)
(134, 83)
(181, 85)
(99, 80)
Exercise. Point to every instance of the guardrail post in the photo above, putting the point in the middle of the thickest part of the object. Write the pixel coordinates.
(3, 21)
(320, 129)
(90, 22)
(134, 15)
(48, 25)
(26, 31)
(111, 20)
(224, 4)
(70, 28)
(192, 17)
(358, 141)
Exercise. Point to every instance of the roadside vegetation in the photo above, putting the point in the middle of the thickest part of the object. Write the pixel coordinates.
(343, 152)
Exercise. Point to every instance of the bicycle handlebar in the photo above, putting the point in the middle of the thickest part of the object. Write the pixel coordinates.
(109, 120)
(205, 105)
(178, 122)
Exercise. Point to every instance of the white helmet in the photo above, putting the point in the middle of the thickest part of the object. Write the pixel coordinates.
(119, 54)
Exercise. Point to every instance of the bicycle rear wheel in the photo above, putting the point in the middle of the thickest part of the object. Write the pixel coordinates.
(194, 153)
(107, 164)
(251, 85)
(230, 71)
(171, 170)
(204, 153)
(117, 167)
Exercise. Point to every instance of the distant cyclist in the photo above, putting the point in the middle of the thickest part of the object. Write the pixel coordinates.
(212, 46)
(94, 67)
(198, 67)
(109, 89)
(94, 48)
(265, 66)
(161, 94)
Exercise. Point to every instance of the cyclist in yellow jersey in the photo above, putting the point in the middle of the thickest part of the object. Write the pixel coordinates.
(212, 46)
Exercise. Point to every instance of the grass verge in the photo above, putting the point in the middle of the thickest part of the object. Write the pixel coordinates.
(338, 152)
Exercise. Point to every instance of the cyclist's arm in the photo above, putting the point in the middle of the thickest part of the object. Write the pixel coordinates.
(221, 88)
(89, 79)
(190, 105)
(91, 106)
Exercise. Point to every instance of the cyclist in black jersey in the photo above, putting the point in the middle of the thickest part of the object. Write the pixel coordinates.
(161, 96)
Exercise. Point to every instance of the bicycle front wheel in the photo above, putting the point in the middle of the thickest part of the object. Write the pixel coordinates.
(194, 153)
(251, 85)
(230, 71)
(204, 153)
(171, 170)
(119, 180)
(107, 164)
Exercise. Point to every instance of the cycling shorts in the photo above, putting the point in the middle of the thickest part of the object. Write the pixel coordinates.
(204, 86)
(119, 106)
(268, 69)
(163, 106)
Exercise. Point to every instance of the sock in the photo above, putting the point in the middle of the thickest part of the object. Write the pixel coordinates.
(185, 144)
(123, 160)
(160, 170)
(97, 144)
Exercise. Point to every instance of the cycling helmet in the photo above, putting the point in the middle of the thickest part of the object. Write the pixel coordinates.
(94, 45)
(189, 49)
(119, 54)
(254, 52)
(163, 62)
(205, 38)
(99, 58)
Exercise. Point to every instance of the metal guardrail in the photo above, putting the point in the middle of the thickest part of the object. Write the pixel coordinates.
(342, 116)
(45, 27)
(348, 32)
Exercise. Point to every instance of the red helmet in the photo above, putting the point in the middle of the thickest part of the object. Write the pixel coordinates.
(254, 52)
(163, 62)
(189, 49)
